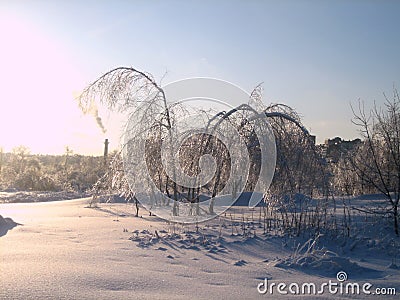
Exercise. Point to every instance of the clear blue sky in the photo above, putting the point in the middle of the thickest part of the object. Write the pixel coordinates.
(316, 56)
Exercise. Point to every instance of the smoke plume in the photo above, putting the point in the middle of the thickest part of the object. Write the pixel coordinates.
(90, 107)
(98, 120)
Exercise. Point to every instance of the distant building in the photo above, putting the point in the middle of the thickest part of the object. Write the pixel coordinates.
(332, 149)
(313, 138)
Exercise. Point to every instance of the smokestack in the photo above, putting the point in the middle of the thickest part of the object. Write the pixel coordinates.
(105, 151)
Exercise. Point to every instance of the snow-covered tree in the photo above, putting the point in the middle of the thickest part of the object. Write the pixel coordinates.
(152, 126)
(377, 162)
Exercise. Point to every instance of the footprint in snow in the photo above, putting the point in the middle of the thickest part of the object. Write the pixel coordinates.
(240, 263)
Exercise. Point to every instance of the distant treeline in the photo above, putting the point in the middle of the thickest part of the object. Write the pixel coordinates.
(21, 170)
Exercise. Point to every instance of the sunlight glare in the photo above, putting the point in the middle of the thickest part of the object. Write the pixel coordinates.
(37, 104)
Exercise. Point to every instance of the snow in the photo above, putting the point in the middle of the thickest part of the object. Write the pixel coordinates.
(14, 196)
(65, 250)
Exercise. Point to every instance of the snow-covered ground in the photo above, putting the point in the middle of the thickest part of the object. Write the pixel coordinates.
(65, 250)
(26, 197)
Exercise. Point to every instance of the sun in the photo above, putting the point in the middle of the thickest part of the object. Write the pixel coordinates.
(38, 79)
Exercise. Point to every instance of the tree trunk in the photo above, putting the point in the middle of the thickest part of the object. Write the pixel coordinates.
(137, 207)
(396, 219)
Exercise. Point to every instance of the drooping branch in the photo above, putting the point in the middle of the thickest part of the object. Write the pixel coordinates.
(120, 89)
